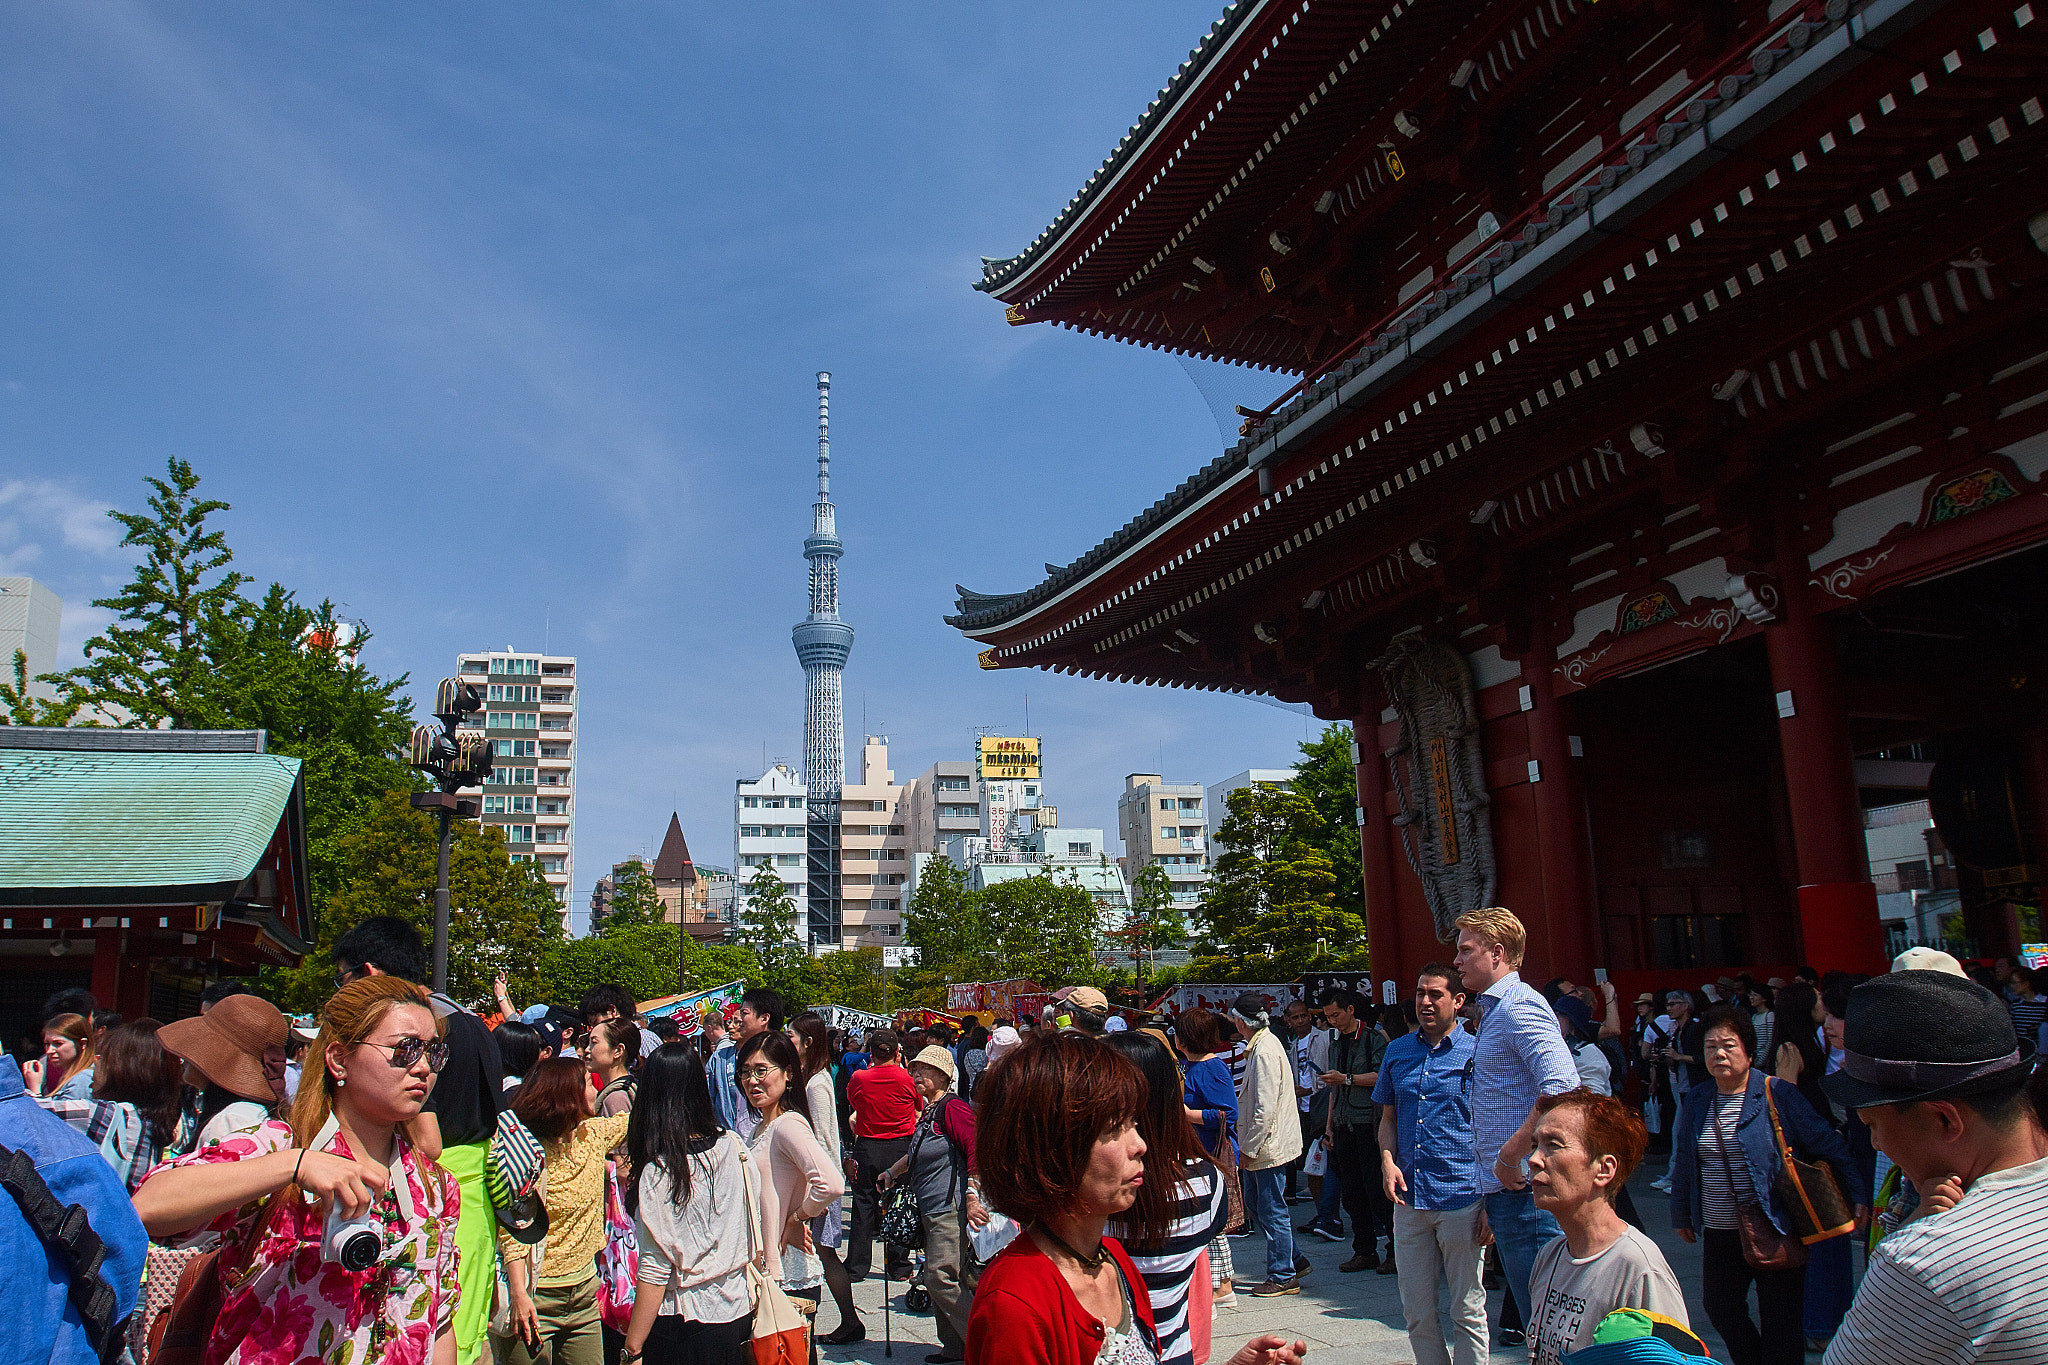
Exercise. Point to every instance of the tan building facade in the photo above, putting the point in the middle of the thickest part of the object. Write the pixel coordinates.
(874, 844)
(1164, 822)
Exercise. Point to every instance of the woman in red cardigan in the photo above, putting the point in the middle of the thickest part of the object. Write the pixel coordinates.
(1060, 1153)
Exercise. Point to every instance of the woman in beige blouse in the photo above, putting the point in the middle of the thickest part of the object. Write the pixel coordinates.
(799, 1180)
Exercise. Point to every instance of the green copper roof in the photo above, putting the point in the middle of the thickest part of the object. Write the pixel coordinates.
(113, 819)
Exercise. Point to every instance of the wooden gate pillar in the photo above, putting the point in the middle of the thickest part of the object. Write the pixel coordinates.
(1376, 851)
(1572, 944)
(1838, 921)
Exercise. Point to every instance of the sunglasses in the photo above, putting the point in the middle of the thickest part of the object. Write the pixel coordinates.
(406, 1053)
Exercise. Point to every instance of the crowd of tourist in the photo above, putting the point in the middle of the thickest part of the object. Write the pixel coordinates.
(403, 1180)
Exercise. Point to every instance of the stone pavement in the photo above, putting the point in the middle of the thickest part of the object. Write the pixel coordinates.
(1345, 1319)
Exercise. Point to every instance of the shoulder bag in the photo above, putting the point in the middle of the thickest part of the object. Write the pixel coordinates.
(1763, 1246)
(180, 1333)
(780, 1335)
(67, 1230)
(1814, 1203)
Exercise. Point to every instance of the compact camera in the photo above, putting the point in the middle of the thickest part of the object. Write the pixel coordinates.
(355, 1243)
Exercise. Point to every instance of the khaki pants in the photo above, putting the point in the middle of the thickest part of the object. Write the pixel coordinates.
(1428, 1242)
(949, 1279)
(569, 1325)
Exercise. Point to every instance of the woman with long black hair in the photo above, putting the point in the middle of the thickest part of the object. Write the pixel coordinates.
(691, 1178)
(1181, 1207)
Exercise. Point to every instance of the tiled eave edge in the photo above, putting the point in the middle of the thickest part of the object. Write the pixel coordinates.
(1821, 63)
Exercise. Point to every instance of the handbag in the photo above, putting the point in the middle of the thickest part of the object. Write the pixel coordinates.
(1233, 1187)
(902, 1220)
(1653, 1116)
(1763, 1246)
(780, 1335)
(180, 1333)
(618, 1260)
(1814, 1203)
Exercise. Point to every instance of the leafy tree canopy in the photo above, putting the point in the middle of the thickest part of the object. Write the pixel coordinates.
(646, 959)
(767, 926)
(1327, 778)
(502, 916)
(1042, 926)
(632, 900)
(1271, 901)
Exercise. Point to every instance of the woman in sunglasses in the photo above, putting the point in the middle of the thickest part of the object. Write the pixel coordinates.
(266, 1194)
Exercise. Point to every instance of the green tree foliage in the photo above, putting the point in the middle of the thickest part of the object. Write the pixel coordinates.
(767, 926)
(1327, 778)
(153, 663)
(714, 964)
(1156, 921)
(187, 649)
(646, 959)
(23, 709)
(632, 901)
(1271, 896)
(1042, 926)
(502, 916)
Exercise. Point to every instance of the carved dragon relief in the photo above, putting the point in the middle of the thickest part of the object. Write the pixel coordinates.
(1445, 827)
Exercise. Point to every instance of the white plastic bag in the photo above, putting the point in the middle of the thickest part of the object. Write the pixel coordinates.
(1318, 1160)
(991, 1237)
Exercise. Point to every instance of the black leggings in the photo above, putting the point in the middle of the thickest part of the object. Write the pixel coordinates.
(1725, 1278)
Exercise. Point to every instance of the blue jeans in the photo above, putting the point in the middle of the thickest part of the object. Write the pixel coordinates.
(1269, 1206)
(1521, 1230)
(1330, 1208)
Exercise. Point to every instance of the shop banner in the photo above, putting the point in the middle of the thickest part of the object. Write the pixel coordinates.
(692, 1010)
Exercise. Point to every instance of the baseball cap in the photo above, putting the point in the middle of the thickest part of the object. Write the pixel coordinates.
(1088, 998)
(1927, 960)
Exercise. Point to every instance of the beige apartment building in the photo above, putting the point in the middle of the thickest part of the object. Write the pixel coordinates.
(529, 716)
(1164, 823)
(942, 802)
(874, 859)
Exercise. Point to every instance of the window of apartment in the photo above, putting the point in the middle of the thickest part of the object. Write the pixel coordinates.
(878, 831)
(750, 802)
(1166, 803)
(895, 829)
(789, 860)
(951, 784)
(1190, 831)
(1169, 831)
(519, 805)
(554, 750)
(958, 812)
(755, 859)
(883, 905)
(545, 835)
(895, 879)
(750, 831)
(894, 855)
(519, 834)
(522, 857)
(473, 666)
(860, 855)
(1076, 850)
(1915, 876)
(557, 807)
(494, 805)
(1031, 791)
(1190, 803)
(551, 864)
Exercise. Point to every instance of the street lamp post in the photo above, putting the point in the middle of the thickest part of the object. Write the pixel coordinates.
(453, 761)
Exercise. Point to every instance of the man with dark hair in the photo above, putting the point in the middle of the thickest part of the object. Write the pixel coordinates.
(760, 1011)
(1352, 1128)
(1428, 1171)
(606, 1002)
(217, 991)
(461, 1112)
(1931, 1062)
(1087, 1011)
(884, 1102)
(71, 1000)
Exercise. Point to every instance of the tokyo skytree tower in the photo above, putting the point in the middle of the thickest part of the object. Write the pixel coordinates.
(822, 640)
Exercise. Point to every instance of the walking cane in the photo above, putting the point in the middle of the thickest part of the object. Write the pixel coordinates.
(888, 1341)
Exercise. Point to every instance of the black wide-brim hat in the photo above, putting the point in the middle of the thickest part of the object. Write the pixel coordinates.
(1920, 1035)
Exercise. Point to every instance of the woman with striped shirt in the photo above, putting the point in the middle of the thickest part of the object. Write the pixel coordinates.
(1180, 1209)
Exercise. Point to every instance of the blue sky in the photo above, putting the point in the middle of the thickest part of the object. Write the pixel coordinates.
(500, 320)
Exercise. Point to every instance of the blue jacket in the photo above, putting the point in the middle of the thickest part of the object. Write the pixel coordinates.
(1811, 1139)
(41, 1323)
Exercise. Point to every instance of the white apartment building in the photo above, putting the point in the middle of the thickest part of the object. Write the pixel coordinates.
(29, 617)
(1219, 792)
(768, 817)
(1164, 822)
(529, 716)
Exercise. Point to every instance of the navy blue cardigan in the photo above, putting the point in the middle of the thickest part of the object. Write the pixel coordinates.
(1810, 1137)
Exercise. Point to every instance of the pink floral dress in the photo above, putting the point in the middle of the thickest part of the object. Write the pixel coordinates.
(293, 1306)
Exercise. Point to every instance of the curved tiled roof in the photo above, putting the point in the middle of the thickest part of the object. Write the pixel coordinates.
(997, 272)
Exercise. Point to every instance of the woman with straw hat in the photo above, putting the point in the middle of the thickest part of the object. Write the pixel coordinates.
(235, 1054)
(267, 1194)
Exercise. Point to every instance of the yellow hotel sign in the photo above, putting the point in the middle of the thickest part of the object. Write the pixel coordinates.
(1006, 758)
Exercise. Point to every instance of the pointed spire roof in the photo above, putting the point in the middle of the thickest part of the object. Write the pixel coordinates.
(673, 863)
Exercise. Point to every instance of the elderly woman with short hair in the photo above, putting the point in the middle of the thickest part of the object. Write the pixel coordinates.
(1725, 1157)
(940, 1168)
(1060, 1153)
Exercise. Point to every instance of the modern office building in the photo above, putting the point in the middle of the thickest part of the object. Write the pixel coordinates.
(1218, 804)
(29, 617)
(768, 819)
(529, 716)
(1162, 822)
(874, 851)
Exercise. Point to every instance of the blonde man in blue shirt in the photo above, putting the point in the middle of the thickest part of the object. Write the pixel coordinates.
(1429, 1172)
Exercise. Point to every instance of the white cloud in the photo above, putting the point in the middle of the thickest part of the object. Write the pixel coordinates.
(35, 511)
